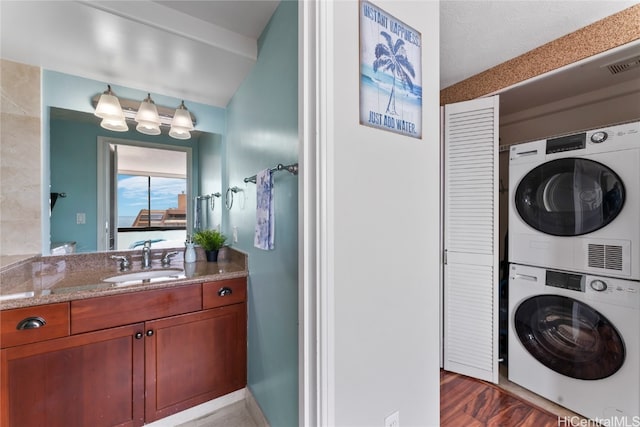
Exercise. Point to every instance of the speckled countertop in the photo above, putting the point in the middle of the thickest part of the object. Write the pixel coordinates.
(50, 279)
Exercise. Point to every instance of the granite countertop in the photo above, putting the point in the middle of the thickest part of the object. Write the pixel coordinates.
(45, 280)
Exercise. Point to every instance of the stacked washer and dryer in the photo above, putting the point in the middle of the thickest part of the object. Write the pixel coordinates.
(574, 277)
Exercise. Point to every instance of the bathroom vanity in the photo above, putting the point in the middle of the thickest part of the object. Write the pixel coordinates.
(123, 356)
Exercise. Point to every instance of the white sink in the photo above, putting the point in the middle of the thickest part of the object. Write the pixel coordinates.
(165, 274)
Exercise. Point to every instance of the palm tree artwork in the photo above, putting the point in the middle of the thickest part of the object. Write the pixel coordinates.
(392, 57)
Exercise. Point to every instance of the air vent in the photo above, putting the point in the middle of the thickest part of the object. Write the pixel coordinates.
(606, 257)
(625, 65)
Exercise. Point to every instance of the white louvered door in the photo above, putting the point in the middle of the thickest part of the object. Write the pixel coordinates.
(471, 238)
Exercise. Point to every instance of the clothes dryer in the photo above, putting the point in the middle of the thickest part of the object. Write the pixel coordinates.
(573, 339)
(574, 202)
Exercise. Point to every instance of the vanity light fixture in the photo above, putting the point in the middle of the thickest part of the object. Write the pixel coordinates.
(181, 125)
(110, 111)
(147, 114)
(116, 125)
(147, 117)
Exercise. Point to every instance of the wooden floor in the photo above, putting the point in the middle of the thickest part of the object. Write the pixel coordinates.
(469, 402)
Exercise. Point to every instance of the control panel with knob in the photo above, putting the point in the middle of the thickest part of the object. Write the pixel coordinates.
(598, 285)
(599, 137)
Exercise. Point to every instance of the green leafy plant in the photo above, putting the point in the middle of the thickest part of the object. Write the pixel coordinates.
(209, 240)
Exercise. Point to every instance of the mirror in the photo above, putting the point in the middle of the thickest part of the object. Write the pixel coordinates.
(76, 166)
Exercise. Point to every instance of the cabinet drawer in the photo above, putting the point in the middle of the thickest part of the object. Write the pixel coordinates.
(53, 318)
(115, 310)
(224, 292)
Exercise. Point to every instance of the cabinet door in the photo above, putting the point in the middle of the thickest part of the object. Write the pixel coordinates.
(193, 358)
(471, 238)
(94, 379)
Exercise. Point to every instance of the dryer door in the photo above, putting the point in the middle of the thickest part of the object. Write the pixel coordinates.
(569, 337)
(569, 197)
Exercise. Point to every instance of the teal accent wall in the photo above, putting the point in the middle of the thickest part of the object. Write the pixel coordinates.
(73, 171)
(262, 131)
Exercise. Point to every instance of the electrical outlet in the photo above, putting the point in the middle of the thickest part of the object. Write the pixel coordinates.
(81, 218)
(392, 420)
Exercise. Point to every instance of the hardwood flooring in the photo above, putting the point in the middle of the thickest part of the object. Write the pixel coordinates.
(469, 402)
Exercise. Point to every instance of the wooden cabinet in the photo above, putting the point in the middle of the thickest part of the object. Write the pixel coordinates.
(116, 310)
(224, 292)
(193, 358)
(94, 379)
(107, 373)
(33, 324)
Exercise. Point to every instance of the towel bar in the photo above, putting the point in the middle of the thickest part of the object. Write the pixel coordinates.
(292, 169)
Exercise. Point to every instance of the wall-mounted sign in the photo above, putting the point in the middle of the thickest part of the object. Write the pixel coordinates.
(390, 73)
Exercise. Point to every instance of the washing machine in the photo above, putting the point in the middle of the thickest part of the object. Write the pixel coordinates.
(575, 202)
(574, 339)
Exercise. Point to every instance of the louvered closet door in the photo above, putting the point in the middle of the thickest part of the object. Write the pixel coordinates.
(471, 238)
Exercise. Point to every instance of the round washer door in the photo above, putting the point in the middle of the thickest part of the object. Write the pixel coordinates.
(569, 337)
(569, 197)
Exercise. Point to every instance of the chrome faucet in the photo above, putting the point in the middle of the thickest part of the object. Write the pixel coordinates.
(125, 264)
(166, 258)
(146, 254)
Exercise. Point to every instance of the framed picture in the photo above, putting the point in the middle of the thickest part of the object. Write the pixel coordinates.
(390, 73)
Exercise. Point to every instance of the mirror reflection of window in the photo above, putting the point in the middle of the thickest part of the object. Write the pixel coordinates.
(151, 197)
(151, 202)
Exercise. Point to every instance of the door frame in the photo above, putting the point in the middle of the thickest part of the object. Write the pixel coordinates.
(104, 182)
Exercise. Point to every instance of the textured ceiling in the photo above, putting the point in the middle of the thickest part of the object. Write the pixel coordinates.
(477, 35)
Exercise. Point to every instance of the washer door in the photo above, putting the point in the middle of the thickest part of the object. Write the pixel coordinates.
(569, 337)
(569, 197)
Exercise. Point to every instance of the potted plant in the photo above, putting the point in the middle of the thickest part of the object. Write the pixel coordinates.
(211, 241)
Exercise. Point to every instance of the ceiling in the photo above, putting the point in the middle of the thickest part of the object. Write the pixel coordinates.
(245, 17)
(476, 35)
(201, 51)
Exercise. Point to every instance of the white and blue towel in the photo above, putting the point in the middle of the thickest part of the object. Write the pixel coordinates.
(265, 211)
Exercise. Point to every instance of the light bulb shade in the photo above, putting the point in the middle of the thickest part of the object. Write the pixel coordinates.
(115, 125)
(148, 112)
(182, 118)
(179, 133)
(109, 107)
(148, 128)
(181, 123)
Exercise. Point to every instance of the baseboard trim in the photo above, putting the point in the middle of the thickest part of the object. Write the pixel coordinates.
(201, 410)
(254, 409)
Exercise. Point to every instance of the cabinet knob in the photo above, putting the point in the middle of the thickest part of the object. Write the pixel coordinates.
(150, 332)
(223, 292)
(31, 323)
(138, 335)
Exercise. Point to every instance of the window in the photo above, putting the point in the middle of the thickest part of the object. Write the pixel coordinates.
(151, 202)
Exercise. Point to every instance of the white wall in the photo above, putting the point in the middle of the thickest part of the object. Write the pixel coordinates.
(383, 230)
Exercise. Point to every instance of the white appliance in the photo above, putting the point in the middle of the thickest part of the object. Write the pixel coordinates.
(574, 202)
(574, 339)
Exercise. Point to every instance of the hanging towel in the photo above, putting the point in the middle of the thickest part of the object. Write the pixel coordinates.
(196, 212)
(265, 215)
